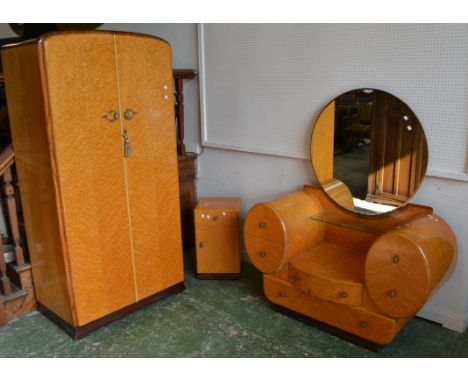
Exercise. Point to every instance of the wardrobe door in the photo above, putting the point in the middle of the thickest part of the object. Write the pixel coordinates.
(146, 92)
(80, 76)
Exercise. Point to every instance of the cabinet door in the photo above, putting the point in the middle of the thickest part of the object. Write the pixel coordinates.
(217, 249)
(80, 77)
(146, 92)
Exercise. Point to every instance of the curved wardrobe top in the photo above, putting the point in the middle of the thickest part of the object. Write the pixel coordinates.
(43, 38)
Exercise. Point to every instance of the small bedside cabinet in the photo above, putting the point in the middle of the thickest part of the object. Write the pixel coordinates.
(217, 238)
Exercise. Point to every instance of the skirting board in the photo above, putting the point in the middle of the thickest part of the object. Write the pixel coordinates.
(457, 324)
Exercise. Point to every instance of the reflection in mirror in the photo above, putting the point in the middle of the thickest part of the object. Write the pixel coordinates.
(369, 151)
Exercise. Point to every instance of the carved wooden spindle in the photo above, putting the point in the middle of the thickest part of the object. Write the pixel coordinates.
(179, 76)
(179, 109)
(4, 280)
(10, 203)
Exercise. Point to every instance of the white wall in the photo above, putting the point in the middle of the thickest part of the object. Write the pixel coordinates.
(279, 79)
(256, 178)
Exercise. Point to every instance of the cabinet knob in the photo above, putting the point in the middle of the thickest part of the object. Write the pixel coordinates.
(201, 244)
(262, 225)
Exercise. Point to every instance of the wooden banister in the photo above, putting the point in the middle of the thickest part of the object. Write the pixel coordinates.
(7, 158)
(16, 289)
(5, 284)
(12, 214)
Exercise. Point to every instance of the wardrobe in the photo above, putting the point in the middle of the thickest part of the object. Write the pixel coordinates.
(93, 131)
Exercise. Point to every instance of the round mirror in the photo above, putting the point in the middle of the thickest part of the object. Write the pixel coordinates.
(369, 151)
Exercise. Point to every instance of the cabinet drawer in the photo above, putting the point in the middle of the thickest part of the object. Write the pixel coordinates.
(213, 218)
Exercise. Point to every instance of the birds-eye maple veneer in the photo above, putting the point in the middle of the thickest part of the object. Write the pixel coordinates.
(363, 277)
(92, 122)
(217, 238)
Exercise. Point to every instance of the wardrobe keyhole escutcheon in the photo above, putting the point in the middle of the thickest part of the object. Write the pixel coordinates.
(127, 145)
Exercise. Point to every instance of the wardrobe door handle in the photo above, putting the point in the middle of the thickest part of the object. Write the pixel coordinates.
(111, 116)
(129, 114)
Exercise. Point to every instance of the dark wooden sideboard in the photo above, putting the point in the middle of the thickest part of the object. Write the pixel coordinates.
(187, 161)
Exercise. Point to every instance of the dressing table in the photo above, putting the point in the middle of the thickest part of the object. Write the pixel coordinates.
(352, 256)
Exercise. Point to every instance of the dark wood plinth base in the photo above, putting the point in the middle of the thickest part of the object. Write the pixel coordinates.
(218, 276)
(329, 329)
(82, 331)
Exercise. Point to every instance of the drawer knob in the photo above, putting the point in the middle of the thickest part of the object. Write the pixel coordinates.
(343, 294)
(295, 279)
(262, 254)
(281, 294)
(201, 244)
(392, 293)
(395, 259)
(363, 324)
(262, 225)
(215, 218)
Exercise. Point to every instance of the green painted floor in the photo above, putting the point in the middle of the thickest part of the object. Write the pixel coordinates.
(216, 319)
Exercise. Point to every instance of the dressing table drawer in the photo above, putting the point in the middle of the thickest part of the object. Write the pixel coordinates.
(338, 291)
